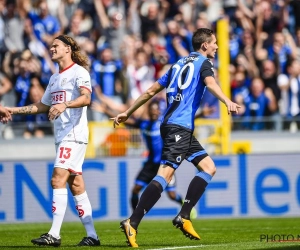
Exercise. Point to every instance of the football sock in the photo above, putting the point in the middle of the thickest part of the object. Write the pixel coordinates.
(134, 200)
(59, 206)
(148, 199)
(194, 193)
(84, 208)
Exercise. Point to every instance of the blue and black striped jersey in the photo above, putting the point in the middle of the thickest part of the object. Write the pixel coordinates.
(185, 87)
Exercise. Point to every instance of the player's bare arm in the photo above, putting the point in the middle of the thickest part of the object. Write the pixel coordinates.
(35, 108)
(147, 95)
(215, 89)
(83, 100)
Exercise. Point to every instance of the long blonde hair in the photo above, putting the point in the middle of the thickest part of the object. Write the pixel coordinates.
(76, 56)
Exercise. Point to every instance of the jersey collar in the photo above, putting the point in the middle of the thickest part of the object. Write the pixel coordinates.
(195, 53)
(66, 68)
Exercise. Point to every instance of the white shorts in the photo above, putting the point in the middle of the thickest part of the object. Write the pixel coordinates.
(70, 156)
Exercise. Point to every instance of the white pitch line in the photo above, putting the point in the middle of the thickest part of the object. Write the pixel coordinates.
(199, 246)
(170, 248)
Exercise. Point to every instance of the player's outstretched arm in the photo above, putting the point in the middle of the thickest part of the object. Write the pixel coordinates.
(35, 108)
(215, 89)
(142, 99)
(5, 115)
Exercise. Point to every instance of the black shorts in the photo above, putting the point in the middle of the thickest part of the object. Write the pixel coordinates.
(180, 144)
(148, 172)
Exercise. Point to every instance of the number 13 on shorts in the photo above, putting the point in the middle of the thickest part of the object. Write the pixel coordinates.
(64, 152)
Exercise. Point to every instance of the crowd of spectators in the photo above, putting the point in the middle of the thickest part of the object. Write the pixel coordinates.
(131, 43)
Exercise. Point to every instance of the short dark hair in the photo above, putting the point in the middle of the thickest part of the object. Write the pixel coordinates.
(201, 36)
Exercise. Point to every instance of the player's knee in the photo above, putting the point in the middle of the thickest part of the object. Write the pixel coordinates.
(213, 170)
(57, 183)
(207, 165)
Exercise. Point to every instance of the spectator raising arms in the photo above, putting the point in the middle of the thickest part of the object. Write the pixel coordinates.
(46, 27)
(145, 36)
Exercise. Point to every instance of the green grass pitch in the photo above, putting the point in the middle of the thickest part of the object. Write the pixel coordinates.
(215, 234)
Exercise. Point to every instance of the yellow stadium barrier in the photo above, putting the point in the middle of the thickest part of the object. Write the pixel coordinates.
(212, 135)
(241, 147)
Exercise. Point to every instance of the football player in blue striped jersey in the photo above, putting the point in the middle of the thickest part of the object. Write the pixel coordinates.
(185, 83)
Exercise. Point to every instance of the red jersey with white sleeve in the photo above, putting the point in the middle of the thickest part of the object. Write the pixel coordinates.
(64, 86)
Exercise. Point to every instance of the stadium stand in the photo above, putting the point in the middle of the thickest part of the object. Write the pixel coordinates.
(131, 43)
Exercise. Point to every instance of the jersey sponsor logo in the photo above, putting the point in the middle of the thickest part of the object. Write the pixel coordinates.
(58, 97)
(178, 98)
(105, 68)
(177, 138)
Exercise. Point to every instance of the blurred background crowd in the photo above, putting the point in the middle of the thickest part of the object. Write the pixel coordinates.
(131, 43)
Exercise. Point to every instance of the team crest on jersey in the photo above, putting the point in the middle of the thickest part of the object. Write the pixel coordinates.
(64, 81)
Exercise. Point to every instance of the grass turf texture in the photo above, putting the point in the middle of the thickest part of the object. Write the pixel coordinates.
(215, 233)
